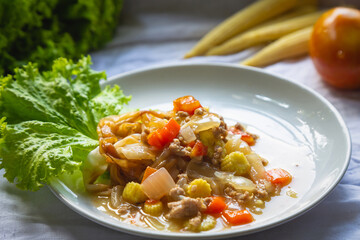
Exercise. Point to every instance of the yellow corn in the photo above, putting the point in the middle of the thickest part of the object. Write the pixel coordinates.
(292, 45)
(265, 34)
(199, 188)
(252, 15)
(153, 209)
(296, 12)
(133, 193)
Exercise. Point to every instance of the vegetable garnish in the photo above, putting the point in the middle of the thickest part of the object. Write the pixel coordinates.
(51, 119)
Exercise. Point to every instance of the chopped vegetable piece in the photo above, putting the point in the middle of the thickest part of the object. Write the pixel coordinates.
(153, 207)
(148, 171)
(199, 149)
(186, 104)
(235, 162)
(199, 188)
(257, 171)
(248, 139)
(238, 217)
(207, 137)
(133, 193)
(216, 206)
(165, 135)
(188, 134)
(279, 176)
(158, 184)
(244, 136)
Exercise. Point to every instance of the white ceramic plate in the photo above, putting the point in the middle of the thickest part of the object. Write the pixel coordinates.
(301, 131)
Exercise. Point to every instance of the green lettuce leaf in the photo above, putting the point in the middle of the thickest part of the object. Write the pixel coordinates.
(51, 119)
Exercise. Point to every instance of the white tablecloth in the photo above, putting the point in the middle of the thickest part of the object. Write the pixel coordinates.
(157, 32)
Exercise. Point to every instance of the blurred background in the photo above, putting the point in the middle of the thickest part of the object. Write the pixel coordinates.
(127, 35)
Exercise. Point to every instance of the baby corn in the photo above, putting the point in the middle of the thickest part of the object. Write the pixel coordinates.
(296, 12)
(292, 45)
(265, 34)
(252, 15)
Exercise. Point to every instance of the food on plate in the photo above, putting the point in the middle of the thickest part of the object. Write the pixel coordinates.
(265, 34)
(179, 170)
(292, 45)
(246, 18)
(335, 47)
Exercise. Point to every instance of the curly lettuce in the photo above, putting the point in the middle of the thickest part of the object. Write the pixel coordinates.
(49, 119)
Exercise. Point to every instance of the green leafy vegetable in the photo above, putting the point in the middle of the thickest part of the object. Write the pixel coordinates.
(51, 119)
(43, 30)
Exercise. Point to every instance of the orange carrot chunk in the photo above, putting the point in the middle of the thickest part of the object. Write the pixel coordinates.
(148, 171)
(217, 205)
(279, 176)
(238, 217)
(244, 136)
(164, 135)
(186, 104)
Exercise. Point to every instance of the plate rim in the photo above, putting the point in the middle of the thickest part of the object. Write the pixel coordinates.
(135, 230)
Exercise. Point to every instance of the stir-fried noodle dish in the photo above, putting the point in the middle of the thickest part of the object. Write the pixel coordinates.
(180, 170)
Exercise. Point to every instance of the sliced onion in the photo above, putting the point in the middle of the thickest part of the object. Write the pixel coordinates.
(136, 151)
(188, 134)
(237, 182)
(134, 138)
(257, 170)
(235, 143)
(158, 184)
(202, 124)
(206, 123)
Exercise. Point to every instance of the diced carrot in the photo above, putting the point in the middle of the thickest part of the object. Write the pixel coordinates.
(216, 206)
(244, 136)
(155, 140)
(238, 217)
(148, 171)
(199, 149)
(248, 139)
(279, 176)
(164, 135)
(187, 104)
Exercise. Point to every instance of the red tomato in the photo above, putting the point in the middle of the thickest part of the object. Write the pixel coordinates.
(335, 47)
